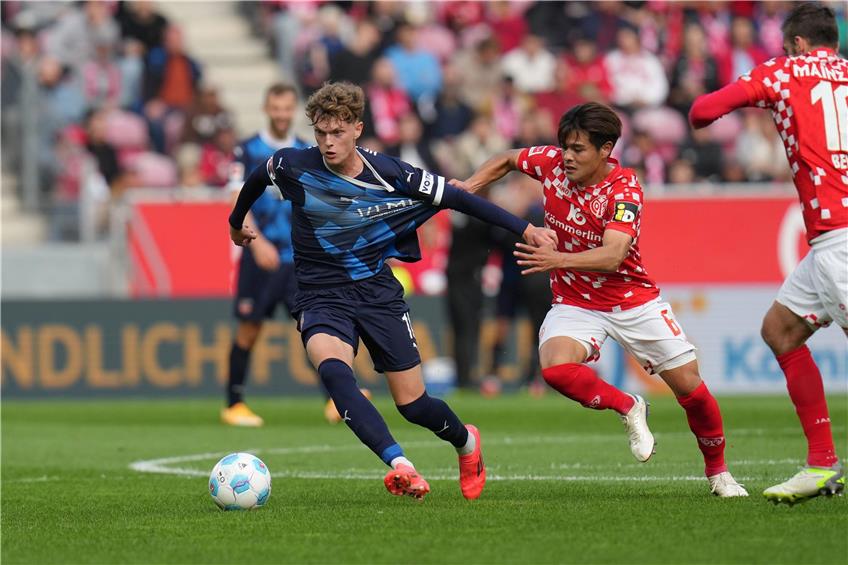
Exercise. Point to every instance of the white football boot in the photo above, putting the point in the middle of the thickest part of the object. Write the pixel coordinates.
(809, 482)
(642, 444)
(724, 485)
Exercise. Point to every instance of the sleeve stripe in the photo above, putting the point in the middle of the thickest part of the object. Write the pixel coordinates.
(440, 190)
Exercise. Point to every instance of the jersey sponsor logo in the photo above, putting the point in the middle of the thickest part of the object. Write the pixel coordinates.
(575, 216)
(428, 183)
(553, 221)
(626, 212)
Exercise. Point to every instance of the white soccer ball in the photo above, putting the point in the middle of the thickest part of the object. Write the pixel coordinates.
(240, 481)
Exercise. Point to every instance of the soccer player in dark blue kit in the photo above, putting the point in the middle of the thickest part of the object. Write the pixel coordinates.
(266, 270)
(353, 209)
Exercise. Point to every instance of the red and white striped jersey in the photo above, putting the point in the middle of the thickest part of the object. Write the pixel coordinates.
(808, 99)
(580, 216)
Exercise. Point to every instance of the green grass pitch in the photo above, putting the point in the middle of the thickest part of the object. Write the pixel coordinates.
(563, 487)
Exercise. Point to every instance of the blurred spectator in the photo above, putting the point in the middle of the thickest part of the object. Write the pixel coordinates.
(412, 147)
(585, 73)
(537, 128)
(681, 171)
(72, 39)
(206, 117)
(694, 73)
(507, 24)
(508, 108)
(637, 76)
(101, 77)
(481, 73)
(418, 71)
(104, 153)
(758, 151)
(769, 20)
(475, 146)
(451, 116)
(353, 62)
(20, 86)
(706, 156)
(431, 36)
(743, 55)
(387, 103)
(131, 67)
(216, 157)
(531, 66)
(642, 153)
(61, 99)
(319, 44)
(139, 20)
(170, 85)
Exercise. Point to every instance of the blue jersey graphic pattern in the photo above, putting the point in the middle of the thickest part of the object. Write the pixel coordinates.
(344, 229)
(273, 215)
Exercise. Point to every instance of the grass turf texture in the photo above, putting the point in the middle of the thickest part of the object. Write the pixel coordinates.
(569, 492)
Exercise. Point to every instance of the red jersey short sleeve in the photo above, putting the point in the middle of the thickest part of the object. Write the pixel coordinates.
(624, 209)
(808, 99)
(539, 161)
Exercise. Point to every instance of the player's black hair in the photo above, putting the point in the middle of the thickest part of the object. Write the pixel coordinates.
(599, 121)
(813, 21)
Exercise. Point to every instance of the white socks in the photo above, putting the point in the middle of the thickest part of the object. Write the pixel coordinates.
(402, 461)
(469, 446)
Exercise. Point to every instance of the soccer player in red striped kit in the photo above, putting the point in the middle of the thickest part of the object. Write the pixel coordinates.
(807, 93)
(600, 287)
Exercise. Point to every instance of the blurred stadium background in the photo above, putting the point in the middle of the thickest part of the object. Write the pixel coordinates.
(116, 265)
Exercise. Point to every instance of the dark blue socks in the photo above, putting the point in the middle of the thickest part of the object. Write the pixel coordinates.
(435, 415)
(357, 411)
(239, 359)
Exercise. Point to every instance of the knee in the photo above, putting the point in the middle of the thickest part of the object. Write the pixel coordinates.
(782, 338)
(247, 334)
(335, 372)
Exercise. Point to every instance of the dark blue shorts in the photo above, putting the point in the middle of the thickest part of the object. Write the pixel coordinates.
(259, 291)
(373, 309)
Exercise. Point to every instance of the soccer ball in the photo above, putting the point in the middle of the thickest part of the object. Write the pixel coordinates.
(240, 481)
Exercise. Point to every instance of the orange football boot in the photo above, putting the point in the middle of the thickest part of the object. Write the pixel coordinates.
(472, 471)
(404, 480)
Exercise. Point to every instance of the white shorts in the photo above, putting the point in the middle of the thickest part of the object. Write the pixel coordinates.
(817, 290)
(649, 332)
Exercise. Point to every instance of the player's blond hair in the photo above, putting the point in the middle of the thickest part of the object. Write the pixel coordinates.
(343, 101)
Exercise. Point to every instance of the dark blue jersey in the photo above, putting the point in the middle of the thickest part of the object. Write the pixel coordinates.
(271, 213)
(343, 228)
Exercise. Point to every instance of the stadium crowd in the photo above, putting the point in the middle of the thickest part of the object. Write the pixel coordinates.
(448, 84)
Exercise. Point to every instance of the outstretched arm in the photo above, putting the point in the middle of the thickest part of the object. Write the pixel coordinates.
(467, 203)
(490, 171)
(707, 108)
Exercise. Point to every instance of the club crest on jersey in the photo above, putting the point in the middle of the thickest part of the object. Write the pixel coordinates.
(598, 206)
(626, 212)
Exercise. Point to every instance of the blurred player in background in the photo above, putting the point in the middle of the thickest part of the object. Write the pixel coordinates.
(600, 288)
(807, 93)
(266, 269)
(352, 210)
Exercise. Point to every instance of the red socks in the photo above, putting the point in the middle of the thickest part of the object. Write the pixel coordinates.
(579, 382)
(704, 418)
(804, 383)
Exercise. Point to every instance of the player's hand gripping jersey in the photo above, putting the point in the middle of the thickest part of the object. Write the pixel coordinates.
(808, 98)
(580, 216)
